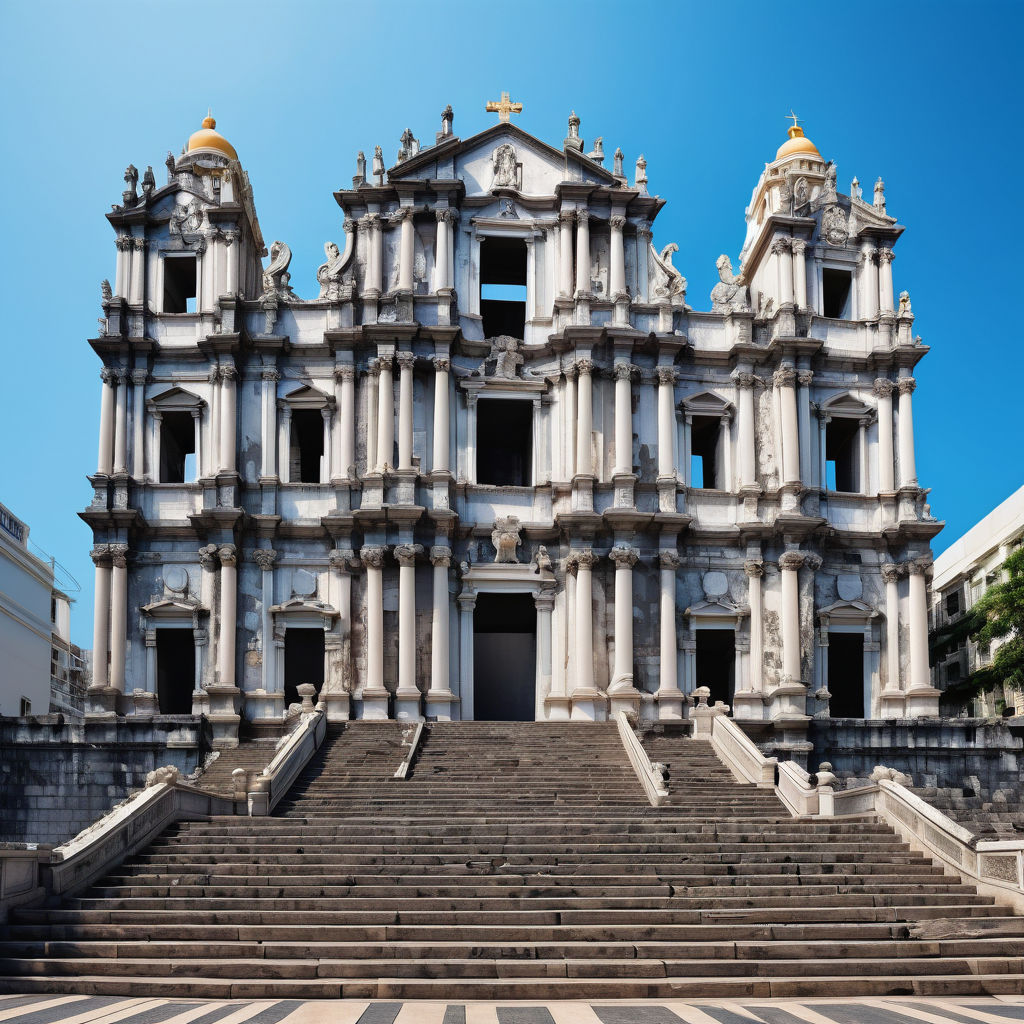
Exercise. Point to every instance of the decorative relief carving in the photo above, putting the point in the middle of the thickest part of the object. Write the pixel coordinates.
(906, 385)
(791, 561)
(754, 568)
(669, 560)
(833, 226)
(505, 167)
(624, 371)
(505, 538)
(585, 366)
(442, 364)
(780, 246)
(440, 555)
(623, 556)
(372, 556)
(405, 554)
(585, 559)
(730, 294)
(100, 554)
(891, 572)
(886, 255)
(344, 374)
(119, 555)
(208, 557)
(883, 388)
(264, 558)
(276, 276)
(784, 377)
(667, 374)
(506, 356)
(669, 284)
(228, 554)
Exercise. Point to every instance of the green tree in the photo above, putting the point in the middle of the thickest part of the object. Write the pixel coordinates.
(998, 616)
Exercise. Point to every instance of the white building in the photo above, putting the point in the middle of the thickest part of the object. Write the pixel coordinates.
(963, 572)
(498, 466)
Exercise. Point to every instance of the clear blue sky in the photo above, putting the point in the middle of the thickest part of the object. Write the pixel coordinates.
(927, 95)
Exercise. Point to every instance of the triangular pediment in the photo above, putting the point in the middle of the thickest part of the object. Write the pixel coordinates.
(854, 611)
(846, 405)
(707, 403)
(307, 396)
(716, 608)
(176, 398)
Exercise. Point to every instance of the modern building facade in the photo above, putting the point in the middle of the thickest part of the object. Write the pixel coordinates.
(498, 466)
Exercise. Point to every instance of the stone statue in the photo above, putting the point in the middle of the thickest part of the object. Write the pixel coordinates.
(542, 560)
(106, 291)
(880, 196)
(669, 284)
(447, 120)
(905, 309)
(597, 154)
(130, 195)
(503, 160)
(148, 182)
(640, 178)
(329, 274)
(506, 355)
(505, 538)
(617, 159)
(378, 165)
(360, 166)
(169, 164)
(574, 126)
(730, 294)
(829, 189)
(276, 276)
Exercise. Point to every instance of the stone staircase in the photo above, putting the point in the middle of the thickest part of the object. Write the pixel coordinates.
(518, 861)
(997, 815)
(252, 755)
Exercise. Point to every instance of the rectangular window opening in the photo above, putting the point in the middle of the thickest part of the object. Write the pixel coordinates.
(175, 670)
(179, 284)
(177, 443)
(705, 437)
(504, 441)
(846, 675)
(953, 603)
(307, 446)
(25, 707)
(841, 455)
(503, 286)
(716, 663)
(835, 293)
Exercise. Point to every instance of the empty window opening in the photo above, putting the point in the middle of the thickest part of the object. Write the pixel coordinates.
(177, 448)
(504, 658)
(953, 603)
(504, 430)
(503, 286)
(705, 436)
(953, 672)
(841, 455)
(846, 675)
(835, 293)
(179, 284)
(25, 708)
(716, 663)
(303, 662)
(307, 446)
(175, 671)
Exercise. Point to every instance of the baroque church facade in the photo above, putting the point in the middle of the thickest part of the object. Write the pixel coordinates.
(499, 467)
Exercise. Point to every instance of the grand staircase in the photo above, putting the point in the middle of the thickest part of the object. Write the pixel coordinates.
(518, 861)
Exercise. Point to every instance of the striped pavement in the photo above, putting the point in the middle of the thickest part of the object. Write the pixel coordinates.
(42, 1009)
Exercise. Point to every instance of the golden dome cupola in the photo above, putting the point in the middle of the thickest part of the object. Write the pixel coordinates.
(797, 144)
(209, 140)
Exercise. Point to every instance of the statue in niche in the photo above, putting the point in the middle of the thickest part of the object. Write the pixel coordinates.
(730, 294)
(505, 538)
(329, 274)
(276, 276)
(506, 356)
(503, 161)
(669, 284)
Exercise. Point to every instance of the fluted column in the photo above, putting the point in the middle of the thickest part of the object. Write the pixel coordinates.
(567, 221)
(623, 418)
(785, 380)
(747, 430)
(405, 363)
(790, 564)
(920, 674)
(781, 249)
(408, 694)
(265, 558)
(228, 443)
(908, 464)
(407, 250)
(105, 459)
(440, 626)
(754, 568)
(886, 456)
(118, 614)
(666, 421)
(228, 555)
(582, 252)
(440, 462)
(585, 418)
(101, 617)
(121, 424)
(886, 302)
(385, 416)
(138, 275)
(800, 273)
(624, 558)
(442, 256)
(375, 696)
(893, 684)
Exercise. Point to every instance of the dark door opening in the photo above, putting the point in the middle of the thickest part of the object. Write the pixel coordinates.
(175, 671)
(504, 658)
(177, 444)
(303, 661)
(716, 663)
(307, 446)
(504, 442)
(503, 286)
(846, 675)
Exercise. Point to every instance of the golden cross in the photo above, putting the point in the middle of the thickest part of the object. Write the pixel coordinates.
(796, 120)
(503, 107)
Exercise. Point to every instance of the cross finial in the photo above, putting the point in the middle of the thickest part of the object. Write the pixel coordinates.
(504, 107)
(796, 120)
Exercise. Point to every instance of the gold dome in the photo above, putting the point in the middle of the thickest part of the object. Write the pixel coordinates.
(208, 140)
(797, 143)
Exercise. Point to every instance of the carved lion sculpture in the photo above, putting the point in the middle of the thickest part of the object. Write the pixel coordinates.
(168, 773)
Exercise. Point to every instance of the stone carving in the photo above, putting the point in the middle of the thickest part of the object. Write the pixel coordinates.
(503, 162)
(669, 560)
(790, 561)
(833, 226)
(623, 556)
(130, 195)
(829, 191)
(891, 572)
(880, 772)
(169, 164)
(405, 554)
(784, 377)
(506, 356)
(175, 579)
(730, 294)
(342, 559)
(168, 775)
(542, 560)
(372, 556)
(640, 178)
(505, 538)
(264, 558)
(228, 554)
(276, 276)
(148, 182)
(329, 274)
(880, 196)
(208, 557)
(378, 165)
(440, 555)
(360, 175)
(801, 192)
(906, 385)
(669, 284)
(106, 292)
(883, 388)
(597, 153)
(574, 125)
(617, 159)
(447, 120)
(754, 568)
(186, 219)
(585, 559)
(905, 309)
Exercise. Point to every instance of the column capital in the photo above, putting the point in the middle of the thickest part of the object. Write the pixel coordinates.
(108, 375)
(264, 558)
(799, 246)
(891, 572)
(623, 370)
(886, 255)
(919, 566)
(544, 600)
(100, 554)
(669, 559)
(229, 373)
(269, 373)
(446, 216)
(372, 556)
(124, 376)
(370, 220)
(624, 556)
(906, 385)
(616, 222)
(883, 388)
(342, 559)
(123, 243)
(442, 364)
(405, 554)
(745, 380)
(228, 555)
(401, 214)
(373, 367)
(582, 216)
(781, 245)
(805, 377)
(791, 561)
(119, 555)
(813, 562)
(585, 558)
(138, 244)
(868, 255)
(208, 557)
(385, 363)
(343, 374)
(784, 377)
(139, 376)
(566, 217)
(440, 555)
(667, 374)
(754, 568)
(213, 375)
(585, 366)
(570, 371)
(406, 360)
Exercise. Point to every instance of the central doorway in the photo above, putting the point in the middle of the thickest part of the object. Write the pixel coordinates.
(175, 670)
(846, 674)
(716, 663)
(504, 658)
(303, 661)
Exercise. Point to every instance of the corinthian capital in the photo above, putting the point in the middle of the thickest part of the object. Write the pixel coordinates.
(405, 554)
(886, 255)
(108, 375)
(781, 245)
(440, 555)
(667, 374)
(270, 374)
(799, 246)
(883, 388)
(790, 561)
(585, 366)
(623, 556)
(406, 360)
(582, 216)
(906, 385)
(228, 555)
(745, 380)
(891, 572)
(754, 568)
(119, 555)
(785, 377)
(372, 556)
(344, 373)
(100, 554)
(566, 217)
(444, 216)
(264, 558)
(919, 566)
(208, 557)
(585, 558)
(617, 223)
(624, 371)
(669, 560)
(442, 364)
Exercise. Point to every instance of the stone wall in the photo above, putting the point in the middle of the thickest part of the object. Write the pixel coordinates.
(58, 776)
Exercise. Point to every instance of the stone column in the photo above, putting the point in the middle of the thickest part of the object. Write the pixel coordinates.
(138, 424)
(408, 694)
(407, 249)
(669, 696)
(101, 618)
(118, 614)
(617, 267)
(375, 696)
(326, 414)
(785, 379)
(121, 271)
(666, 422)
(231, 276)
(372, 391)
(790, 563)
(138, 281)
(228, 376)
(385, 417)
(265, 558)
(268, 431)
(405, 363)
(439, 696)
(582, 252)
(442, 257)
(869, 283)
(585, 695)
(544, 600)
(440, 461)
(885, 293)
(284, 447)
(781, 249)
(569, 446)
(585, 418)
(754, 568)
(228, 555)
(800, 273)
(623, 419)
(121, 425)
(566, 219)
(345, 396)
(470, 446)
(375, 255)
(908, 464)
(747, 455)
(922, 698)
(886, 456)
(892, 694)
(805, 378)
(105, 460)
(625, 558)
(467, 602)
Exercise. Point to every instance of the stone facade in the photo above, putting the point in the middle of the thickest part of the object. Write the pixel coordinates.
(360, 490)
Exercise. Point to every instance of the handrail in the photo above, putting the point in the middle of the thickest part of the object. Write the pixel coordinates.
(740, 754)
(403, 769)
(794, 789)
(650, 778)
(294, 754)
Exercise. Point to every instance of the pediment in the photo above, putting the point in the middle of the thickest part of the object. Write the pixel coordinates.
(303, 606)
(853, 611)
(848, 405)
(707, 403)
(175, 398)
(307, 397)
(174, 608)
(716, 609)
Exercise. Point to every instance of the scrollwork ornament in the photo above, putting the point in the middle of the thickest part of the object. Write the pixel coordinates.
(617, 223)
(208, 557)
(228, 555)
